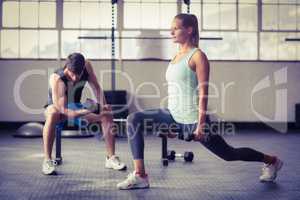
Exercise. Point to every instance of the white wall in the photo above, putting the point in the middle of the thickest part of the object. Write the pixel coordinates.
(232, 105)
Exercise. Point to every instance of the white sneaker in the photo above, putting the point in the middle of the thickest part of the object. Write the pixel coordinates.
(114, 163)
(49, 167)
(269, 171)
(133, 181)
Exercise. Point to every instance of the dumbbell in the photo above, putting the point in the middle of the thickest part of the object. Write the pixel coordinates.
(188, 156)
(189, 137)
(92, 105)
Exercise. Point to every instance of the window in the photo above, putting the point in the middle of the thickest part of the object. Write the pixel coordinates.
(29, 14)
(149, 14)
(233, 46)
(249, 29)
(280, 21)
(247, 18)
(219, 15)
(28, 29)
(87, 18)
(91, 48)
(87, 14)
(281, 15)
(233, 21)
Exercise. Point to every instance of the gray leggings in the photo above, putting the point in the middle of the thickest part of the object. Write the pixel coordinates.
(161, 120)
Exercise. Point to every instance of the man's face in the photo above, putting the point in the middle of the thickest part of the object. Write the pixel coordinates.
(73, 76)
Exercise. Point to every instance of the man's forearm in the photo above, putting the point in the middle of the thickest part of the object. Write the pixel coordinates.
(75, 113)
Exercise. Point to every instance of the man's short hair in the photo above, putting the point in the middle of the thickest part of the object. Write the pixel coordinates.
(75, 62)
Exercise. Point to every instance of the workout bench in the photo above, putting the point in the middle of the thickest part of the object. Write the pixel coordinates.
(58, 129)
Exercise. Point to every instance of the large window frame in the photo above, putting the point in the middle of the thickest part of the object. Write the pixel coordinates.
(23, 31)
(121, 31)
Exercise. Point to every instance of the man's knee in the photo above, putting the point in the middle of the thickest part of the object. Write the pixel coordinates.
(107, 118)
(52, 113)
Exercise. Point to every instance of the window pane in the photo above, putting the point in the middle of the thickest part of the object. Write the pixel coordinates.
(196, 10)
(150, 1)
(247, 46)
(90, 15)
(9, 43)
(91, 0)
(211, 16)
(47, 14)
(69, 42)
(219, 16)
(288, 1)
(287, 50)
(247, 17)
(225, 49)
(48, 44)
(97, 48)
(150, 16)
(130, 44)
(233, 46)
(132, 13)
(280, 1)
(228, 1)
(147, 48)
(228, 46)
(95, 0)
(10, 14)
(29, 14)
(298, 17)
(287, 17)
(169, 49)
(270, 17)
(168, 12)
(71, 15)
(210, 1)
(268, 46)
(298, 47)
(228, 16)
(29, 44)
(210, 47)
(270, 1)
(248, 1)
(106, 15)
(91, 48)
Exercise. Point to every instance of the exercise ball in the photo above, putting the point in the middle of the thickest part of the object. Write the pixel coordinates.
(29, 130)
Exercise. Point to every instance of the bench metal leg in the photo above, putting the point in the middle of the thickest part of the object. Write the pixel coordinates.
(164, 150)
(58, 157)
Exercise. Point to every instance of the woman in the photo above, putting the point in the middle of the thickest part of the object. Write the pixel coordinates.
(187, 76)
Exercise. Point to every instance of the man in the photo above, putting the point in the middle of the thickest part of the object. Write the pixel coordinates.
(66, 85)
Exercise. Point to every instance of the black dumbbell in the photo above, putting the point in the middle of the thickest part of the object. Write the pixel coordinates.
(188, 156)
(92, 105)
(165, 162)
(171, 155)
(189, 137)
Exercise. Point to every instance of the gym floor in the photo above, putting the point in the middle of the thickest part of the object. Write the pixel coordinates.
(82, 175)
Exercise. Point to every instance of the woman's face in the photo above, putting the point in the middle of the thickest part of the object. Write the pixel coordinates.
(179, 33)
